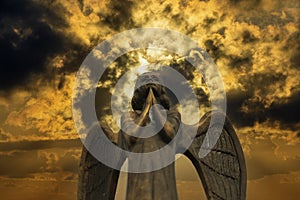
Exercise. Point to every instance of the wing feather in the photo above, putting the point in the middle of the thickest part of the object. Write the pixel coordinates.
(223, 170)
(96, 180)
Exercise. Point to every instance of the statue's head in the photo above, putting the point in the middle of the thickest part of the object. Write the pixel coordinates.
(142, 87)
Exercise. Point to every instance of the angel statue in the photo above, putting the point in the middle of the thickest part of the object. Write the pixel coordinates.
(222, 171)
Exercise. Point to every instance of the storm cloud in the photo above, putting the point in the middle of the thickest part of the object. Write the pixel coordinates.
(255, 45)
(30, 37)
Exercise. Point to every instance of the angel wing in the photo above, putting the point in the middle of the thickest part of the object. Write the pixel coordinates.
(223, 170)
(96, 180)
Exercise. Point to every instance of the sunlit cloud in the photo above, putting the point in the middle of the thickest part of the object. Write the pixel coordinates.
(255, 45)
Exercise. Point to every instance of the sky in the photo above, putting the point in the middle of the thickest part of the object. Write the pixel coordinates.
(255, 44)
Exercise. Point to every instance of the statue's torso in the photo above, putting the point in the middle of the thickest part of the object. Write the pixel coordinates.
(156, 185)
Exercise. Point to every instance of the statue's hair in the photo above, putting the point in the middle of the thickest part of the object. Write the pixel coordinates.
(140, 95)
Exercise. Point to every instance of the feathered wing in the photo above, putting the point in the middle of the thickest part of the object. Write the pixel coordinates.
(96, 180)
(223, 170)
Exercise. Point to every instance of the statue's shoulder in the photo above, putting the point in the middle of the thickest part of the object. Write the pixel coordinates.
(173, 112)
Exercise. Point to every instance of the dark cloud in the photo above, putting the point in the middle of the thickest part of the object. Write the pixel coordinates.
(85, 9)
(69, 162)
(221, 31)
(168, 9)
(235, 101)
(21, 164)
(284, 110)
(239, 61)
(209, 21)
(248, 37)
(71, 178)
(120, 15)
(262, 18)
(217, 51)
(214, 49)
(293, 45)
(287, 112)
(44, 144)
(3, 136)
(25, 164)
(29, 38)
(246, 3)
(295, 58)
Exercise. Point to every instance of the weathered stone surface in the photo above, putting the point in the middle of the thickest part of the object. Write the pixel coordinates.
(222, 171)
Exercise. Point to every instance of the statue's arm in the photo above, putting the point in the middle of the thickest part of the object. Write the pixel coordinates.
(171, 124)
